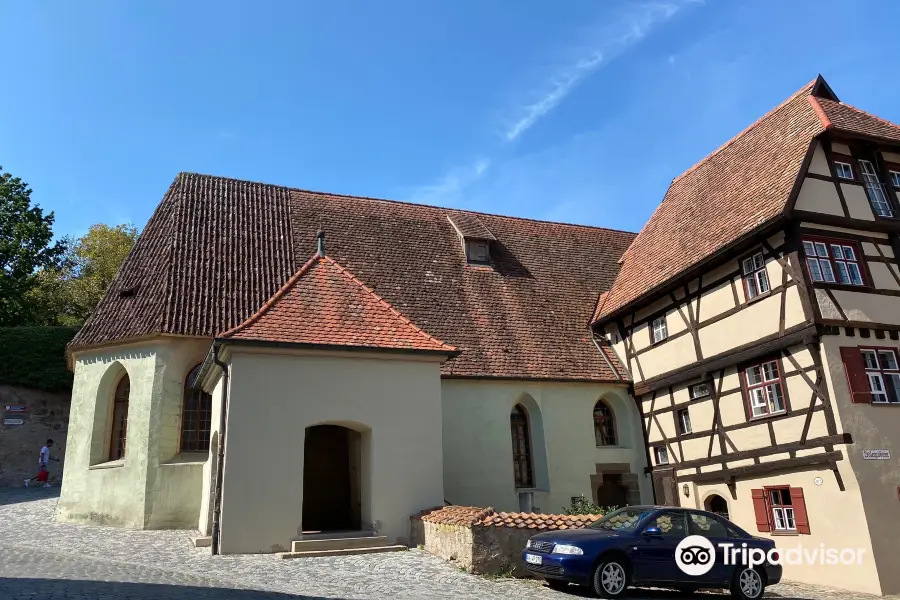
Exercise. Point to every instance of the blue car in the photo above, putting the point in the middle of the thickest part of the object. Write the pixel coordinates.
(656, 546)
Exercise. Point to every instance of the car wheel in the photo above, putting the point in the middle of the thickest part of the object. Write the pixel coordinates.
(611, 578)
(748, 584)
(557, 584)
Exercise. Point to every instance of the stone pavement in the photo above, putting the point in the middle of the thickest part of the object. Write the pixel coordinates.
(44, 560)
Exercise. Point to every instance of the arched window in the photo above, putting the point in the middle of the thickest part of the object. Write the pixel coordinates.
(196, 416)
(717, 504)
(521, 442)
(119, 419)
(604, 424)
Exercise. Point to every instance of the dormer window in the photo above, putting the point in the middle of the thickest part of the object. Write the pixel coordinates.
(478, 252)
(844, 170)
(475, 237)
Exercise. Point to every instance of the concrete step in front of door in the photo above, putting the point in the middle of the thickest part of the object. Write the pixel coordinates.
(319, 544)
(342, 551)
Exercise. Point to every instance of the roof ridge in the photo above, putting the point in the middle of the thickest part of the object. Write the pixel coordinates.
(275, 298)
(385, 303)
(406, 202)
(820, 112)
(806, 88)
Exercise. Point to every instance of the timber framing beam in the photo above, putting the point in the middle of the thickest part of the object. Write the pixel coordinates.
(765, 345)
(826, 458)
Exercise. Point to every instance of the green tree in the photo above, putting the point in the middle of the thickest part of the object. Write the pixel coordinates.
(69, 291)
(25, 247)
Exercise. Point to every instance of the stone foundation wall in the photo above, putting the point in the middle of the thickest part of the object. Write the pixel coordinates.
(47, 416)
(483, 541)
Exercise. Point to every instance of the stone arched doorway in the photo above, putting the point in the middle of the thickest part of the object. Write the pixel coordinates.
(716, 504)
(331, 479)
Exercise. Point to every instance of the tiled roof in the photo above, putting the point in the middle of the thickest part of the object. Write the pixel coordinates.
(469, 516)
(470, 226)
(539, 521)
(217, 249)
(740, 187)
(848, 119)
(324, 304)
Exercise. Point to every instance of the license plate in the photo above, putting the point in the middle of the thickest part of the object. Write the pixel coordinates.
(533, 559)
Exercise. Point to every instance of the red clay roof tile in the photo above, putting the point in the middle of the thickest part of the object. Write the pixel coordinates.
(324, 304)
(216, 249)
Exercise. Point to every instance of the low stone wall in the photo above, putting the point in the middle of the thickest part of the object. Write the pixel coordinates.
(33, 416)
(483, 541)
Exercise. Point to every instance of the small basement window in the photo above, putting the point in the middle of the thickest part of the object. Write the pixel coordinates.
(478, 252)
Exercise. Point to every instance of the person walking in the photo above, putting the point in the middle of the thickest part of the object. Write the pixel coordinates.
(43, 473)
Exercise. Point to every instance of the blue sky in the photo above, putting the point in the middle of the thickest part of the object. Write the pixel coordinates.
(580, 111)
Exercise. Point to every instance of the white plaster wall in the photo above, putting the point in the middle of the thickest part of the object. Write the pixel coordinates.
(478, 448)
(273, 398)
(153, 487)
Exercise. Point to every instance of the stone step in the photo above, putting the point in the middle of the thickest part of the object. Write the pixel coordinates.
(201, 542)
(341, 552)
(338, 543)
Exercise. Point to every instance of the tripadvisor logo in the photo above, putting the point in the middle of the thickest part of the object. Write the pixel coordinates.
(695, 555)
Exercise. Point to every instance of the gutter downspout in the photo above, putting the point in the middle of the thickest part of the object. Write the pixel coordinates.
(220, 461)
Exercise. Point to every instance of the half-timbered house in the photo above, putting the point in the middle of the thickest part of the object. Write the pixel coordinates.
(758, 313)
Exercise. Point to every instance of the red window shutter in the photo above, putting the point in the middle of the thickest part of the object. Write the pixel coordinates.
(801, 519)
(762, 512)
(856, 375)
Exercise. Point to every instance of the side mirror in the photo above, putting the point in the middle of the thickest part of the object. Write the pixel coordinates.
(652, 531)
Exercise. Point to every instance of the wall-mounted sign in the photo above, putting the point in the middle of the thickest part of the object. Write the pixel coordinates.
(877, 454)
(13, 421)
(16, 408)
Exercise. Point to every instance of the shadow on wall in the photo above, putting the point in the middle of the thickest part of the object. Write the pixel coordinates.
(48, 589)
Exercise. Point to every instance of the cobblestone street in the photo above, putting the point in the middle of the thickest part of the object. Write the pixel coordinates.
(44, 560)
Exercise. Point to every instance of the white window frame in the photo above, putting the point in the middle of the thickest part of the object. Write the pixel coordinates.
(877, 194)
(895, 178)
(833, 261)
(684, 421)
(693, 390)
(756, 279)
(659, 331)
(839, 168)
(766, 396)
(877, 369)
(782, 514)
(662, 455)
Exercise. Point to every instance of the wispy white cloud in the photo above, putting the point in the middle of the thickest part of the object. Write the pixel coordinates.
(607, 42)
(448, 190)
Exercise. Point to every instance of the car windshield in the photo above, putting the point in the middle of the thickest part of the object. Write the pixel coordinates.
(624, 519)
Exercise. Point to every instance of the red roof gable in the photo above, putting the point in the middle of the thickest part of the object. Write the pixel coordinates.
(323, 304)
(737, 189)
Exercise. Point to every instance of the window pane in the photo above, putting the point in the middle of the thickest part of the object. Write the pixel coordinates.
(888, 360)
(837, 252)
(855, 275)
(762, 280)
(849, 253)
(827, 273)
(775, 497)
(821, 250)
(876, 385)
(809, 249)
(752, 288)
(776, 402)
(770, 370)
(754, 375)
(895, 179)
(842, 275)
(789, 518)
(893, 385)
(869, 358)
(815, 272)
(758, 261)
(748, 266)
